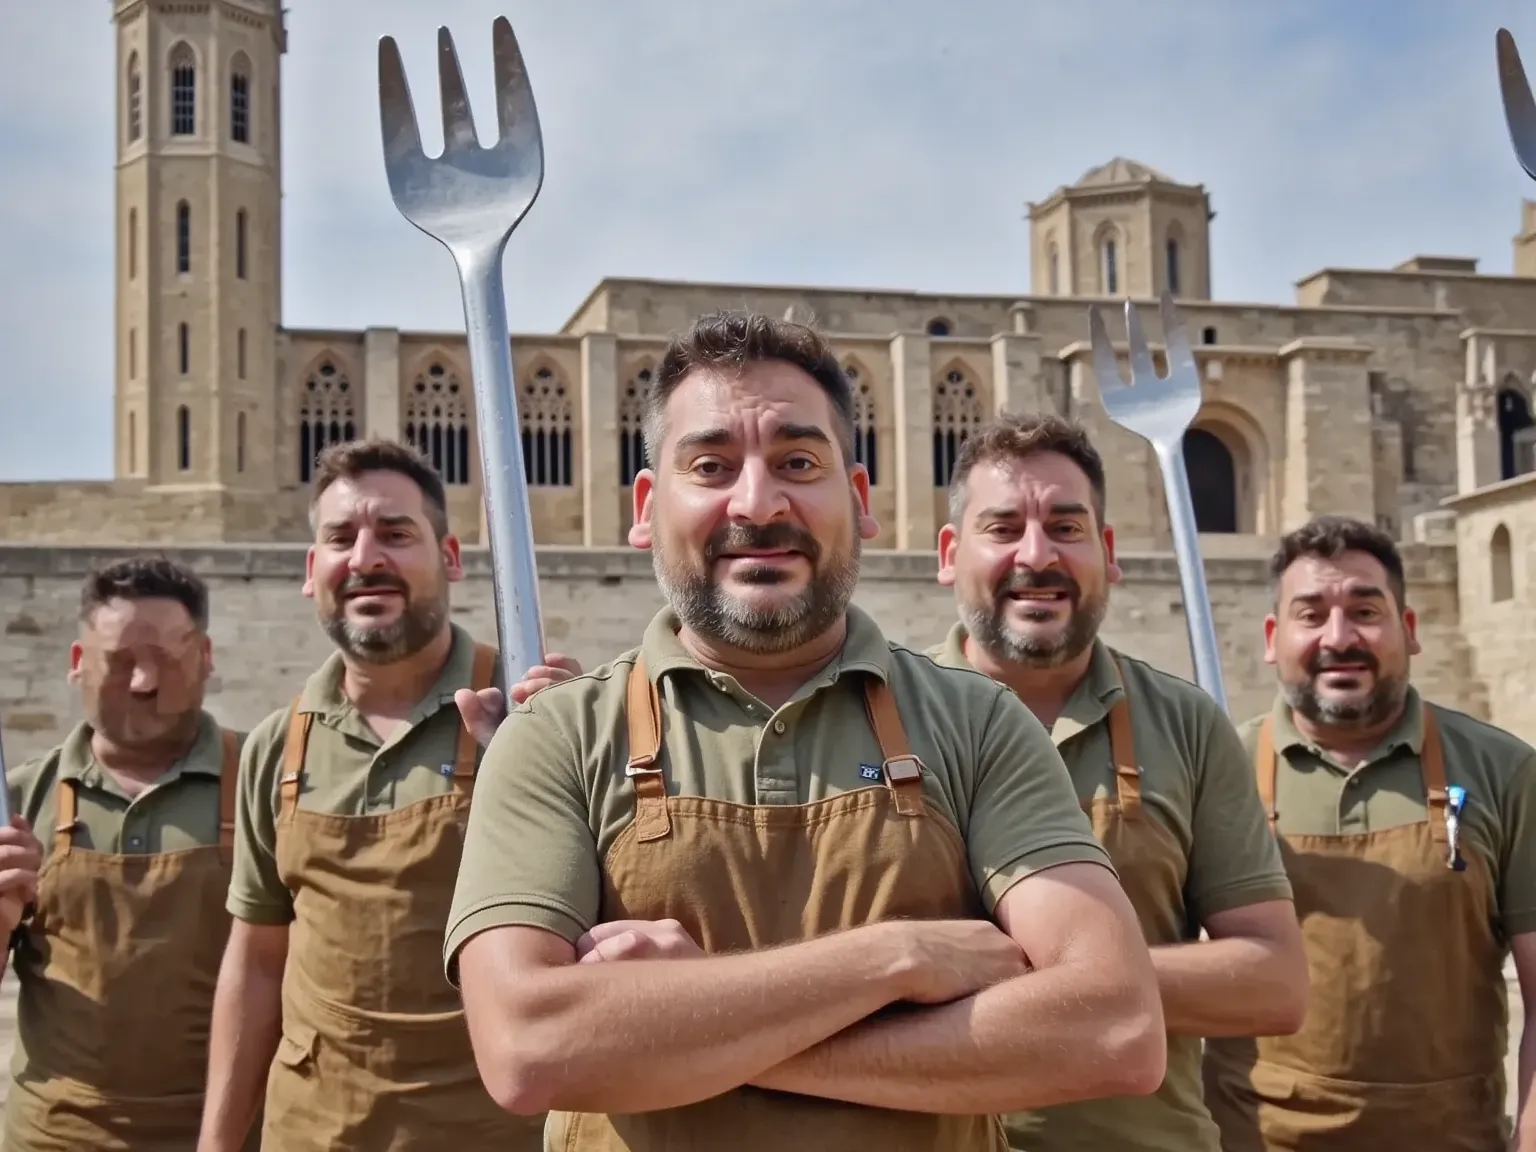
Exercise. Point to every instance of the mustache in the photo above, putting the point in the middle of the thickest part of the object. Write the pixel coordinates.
(760, 537)
(1017, 581)
(1326, 660)
(371, 582)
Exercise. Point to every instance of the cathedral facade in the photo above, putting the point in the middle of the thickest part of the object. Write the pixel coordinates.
(1376, 393)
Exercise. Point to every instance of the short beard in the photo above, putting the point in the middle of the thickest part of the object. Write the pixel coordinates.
(708, 611)
(420, 623)
(1385, 699)
(991, 632)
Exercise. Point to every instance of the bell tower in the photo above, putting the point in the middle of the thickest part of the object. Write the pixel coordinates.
(199, 275)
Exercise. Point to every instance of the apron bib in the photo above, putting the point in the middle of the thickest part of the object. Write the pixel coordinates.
(1150, 863)
(374, 1054)
(1407, 989)
(740, 876)
(117, 973)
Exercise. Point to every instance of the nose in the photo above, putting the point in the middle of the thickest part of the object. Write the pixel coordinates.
(367, 554)
(143, 680)
(1338, 632)
(1035, 549)
(757, 497)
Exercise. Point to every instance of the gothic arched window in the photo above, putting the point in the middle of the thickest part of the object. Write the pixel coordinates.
(547, 417)
(326, 414)
(956, 414)
(865, 440)
(183, 91)
(240, 99)
(437, 422)
(135, 100)
(632, 426)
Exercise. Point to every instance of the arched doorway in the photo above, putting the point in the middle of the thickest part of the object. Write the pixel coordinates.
(1514, 418)
(1212, 481)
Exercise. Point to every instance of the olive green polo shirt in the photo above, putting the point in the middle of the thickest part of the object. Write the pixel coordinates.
(1198, 783)
(180, 811)
(553, 795)
(348, 771)
(1316, 795)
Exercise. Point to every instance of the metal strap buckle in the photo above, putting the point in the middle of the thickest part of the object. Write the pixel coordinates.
(900, 769)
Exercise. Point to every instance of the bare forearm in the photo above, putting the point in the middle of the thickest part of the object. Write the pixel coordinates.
(1231, 987)
(1045, 1038)
(1525, 1078)
(246, 1026)
(644, 1035)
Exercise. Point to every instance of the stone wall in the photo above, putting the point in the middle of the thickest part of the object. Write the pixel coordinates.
(596, 603)
(1496, 542)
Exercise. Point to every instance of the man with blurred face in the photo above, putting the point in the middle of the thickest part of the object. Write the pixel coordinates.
(118, 956)
(349, 826)
(1154, 761)
(698, 881)
(1409, 832)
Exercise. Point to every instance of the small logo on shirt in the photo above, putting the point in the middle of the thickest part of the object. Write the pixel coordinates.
(869, 771)
(445, 769)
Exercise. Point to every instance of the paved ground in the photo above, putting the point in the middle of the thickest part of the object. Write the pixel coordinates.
(8, 1026)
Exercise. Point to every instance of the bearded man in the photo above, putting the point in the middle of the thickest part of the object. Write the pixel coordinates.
(1030, 552)
(1409, 834)
(771, 881)
(349, 826)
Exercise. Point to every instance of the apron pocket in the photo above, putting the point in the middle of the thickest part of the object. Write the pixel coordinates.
(296, 1046)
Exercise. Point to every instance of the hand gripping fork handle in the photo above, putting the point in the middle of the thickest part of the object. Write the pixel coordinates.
(1160, 410)
(470, 199)
(1519, 108)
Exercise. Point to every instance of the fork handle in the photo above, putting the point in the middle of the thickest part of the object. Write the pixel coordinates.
(1198, 616)
(509, 521)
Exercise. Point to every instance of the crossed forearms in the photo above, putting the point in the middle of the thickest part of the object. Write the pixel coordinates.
(644, 1035)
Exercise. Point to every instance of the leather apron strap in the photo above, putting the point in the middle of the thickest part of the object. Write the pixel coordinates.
(67, 816)
(294, 748)
(1266, 763)
(466, 759)
(1122, 750)
(903, 769)
(229, 781)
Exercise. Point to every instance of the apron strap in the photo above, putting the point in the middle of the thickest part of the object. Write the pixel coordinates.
(903, 770)
(67, 815)
(1266, 768)
(466, 759)
(229, 779)
(643, 713)
(1432, 760)
(294, 749)
(1122, 750)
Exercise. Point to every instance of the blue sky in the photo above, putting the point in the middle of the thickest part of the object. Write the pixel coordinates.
(853, 142)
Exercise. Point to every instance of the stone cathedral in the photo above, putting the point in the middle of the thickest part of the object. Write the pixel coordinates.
(1402, 395)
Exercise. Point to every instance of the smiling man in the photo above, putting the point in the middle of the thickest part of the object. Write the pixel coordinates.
(1155, 762)
(771, 881)
(1409, 908)
(349, 827)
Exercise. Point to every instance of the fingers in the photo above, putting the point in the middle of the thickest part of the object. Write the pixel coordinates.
(20, 883)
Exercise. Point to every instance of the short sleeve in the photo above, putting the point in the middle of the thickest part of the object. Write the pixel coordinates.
(1024, 816)
(1234, 858)
(1517, 864)
(530, 855)
(257, 893)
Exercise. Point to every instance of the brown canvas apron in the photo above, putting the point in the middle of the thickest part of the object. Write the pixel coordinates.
(374, 1054)
(1150, 863)
(741, 877)
(1404, 1041)
(117, 972)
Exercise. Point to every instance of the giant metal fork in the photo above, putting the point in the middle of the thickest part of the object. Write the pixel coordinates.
(1160, 410)
(1519, 108)
(470, 199)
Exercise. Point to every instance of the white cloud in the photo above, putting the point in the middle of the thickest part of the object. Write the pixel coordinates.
(863, 142)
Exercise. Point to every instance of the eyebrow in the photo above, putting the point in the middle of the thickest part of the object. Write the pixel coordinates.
(398, 521)
(1006, 512)
(1364, 592)
(717, 437)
